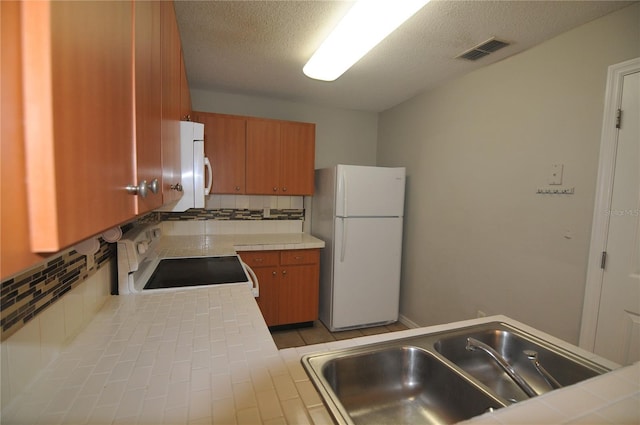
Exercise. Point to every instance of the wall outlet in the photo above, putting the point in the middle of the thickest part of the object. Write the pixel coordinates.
(480, 314)
(555, 174)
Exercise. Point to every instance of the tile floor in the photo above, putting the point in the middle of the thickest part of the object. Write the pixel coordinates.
(318, 334)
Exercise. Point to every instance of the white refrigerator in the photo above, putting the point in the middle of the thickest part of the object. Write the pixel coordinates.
(358, 212)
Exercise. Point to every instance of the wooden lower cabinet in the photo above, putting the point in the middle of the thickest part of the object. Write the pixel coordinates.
(288, 284)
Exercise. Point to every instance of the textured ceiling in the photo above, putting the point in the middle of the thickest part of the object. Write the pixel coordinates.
(259, 47)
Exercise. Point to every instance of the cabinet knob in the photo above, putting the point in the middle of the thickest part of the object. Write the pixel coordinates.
(142, 247)
(275, 189)
(237, 188)
(176, 186)
(274, 273)
(154, 186)
(284, 272)
(140, 189)
(284, 189)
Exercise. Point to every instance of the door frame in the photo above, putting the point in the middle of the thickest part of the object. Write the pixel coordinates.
(604, 189)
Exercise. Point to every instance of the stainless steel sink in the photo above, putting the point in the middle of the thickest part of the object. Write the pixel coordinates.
(434, 379)
(400, 385)
(511, 344)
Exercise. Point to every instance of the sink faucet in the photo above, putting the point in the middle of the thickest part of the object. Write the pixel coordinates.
(473, 344)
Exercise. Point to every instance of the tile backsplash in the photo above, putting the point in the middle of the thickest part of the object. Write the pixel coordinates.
(29, 293)
(233, 214)
(257, 202)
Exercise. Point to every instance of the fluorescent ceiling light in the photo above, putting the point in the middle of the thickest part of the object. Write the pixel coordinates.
(366, 24)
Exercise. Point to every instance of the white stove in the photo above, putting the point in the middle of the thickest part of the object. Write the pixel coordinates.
(142, 268)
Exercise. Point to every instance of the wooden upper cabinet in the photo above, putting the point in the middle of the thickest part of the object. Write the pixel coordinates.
(263, 159)
(259, 156)
(225, 146)
(298, 158)
(148, 101)
(280, 157)
(15, 254)
(77, 84)
(170, 58)
(185, 94)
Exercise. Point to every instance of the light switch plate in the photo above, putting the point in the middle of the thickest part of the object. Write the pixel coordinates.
(555, 174)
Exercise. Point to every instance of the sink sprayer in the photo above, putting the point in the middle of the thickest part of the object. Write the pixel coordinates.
(533, 356)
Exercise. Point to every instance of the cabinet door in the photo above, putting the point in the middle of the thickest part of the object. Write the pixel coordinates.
(15, 254)
(263, 159)
(298, 158)
(225, 146)
(78, 119)
(170, 45)
(148, 83)
(298, 294)
(268, 300)
(185, 94)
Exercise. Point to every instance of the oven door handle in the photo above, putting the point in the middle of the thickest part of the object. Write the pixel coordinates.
(255, 290)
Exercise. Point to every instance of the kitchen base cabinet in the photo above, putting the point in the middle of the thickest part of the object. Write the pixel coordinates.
(288, 284)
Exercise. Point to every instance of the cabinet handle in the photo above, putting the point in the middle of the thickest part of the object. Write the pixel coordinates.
(141, 189)
(154, 186)
(297, 257)
(176, 186)
(258, 260)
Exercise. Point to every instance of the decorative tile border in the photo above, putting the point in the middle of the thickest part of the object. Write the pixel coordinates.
(24, 296)
(232, 214)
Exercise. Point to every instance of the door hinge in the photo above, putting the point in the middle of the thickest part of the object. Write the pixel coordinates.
(618, 118)
(603, 260)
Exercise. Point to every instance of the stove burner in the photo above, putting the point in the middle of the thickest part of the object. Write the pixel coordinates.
(181, 272)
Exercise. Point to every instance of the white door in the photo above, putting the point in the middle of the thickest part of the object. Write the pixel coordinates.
(618, 325)
(365, 191)
(366, 280)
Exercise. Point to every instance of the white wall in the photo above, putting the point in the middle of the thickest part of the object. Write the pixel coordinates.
(342, 135)
(477, 236)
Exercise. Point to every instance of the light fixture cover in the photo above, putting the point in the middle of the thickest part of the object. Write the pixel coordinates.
(366, 24)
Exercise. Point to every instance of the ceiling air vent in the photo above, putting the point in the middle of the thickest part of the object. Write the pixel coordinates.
(483, 49)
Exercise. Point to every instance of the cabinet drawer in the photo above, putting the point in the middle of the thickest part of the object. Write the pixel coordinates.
(260, 258)
(299, 256)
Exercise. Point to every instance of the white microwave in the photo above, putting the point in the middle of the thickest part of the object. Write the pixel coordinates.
(194, 167)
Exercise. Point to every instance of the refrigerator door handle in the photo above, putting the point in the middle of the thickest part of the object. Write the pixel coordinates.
(343, 245)
(344, 195)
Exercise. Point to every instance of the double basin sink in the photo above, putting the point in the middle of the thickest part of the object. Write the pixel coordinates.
(442, 378)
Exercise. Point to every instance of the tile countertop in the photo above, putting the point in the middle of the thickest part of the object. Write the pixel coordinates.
(205, 355)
